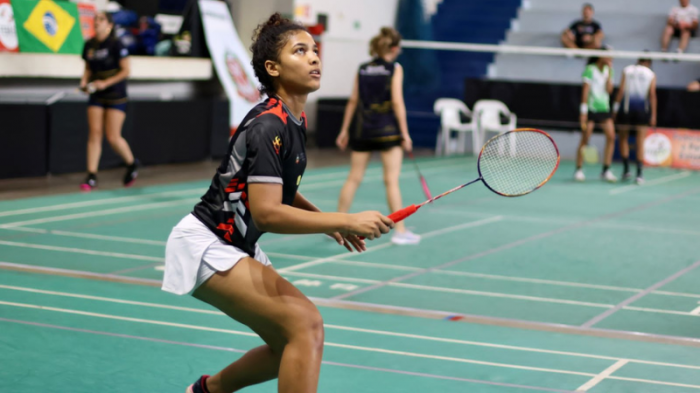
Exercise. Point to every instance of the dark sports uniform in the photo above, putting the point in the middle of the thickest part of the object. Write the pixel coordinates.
(103, 60)
(377, 128)
(581, 28)
(269, 147)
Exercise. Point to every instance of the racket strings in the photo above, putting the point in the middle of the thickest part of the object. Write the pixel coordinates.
(517, 163)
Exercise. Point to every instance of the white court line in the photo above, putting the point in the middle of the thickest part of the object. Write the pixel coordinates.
(432, 164)
(661, 180)
(696, 311)
(605, 374)
(327, 344)
(488, 294)
(359, 330)
(376, 265)
(385, 245)
(638, 228)
(338, 345)
(106, 237)
(380, 266)
(194, 191)
(107, 212)
(110, 300)
(305, 187)
(81, 251)
(452, 290)
(98, 202)
(535, 281)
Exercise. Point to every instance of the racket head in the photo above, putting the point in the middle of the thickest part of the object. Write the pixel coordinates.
(518, 162)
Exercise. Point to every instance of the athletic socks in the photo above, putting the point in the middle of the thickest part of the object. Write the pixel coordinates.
(200, 386)
(639, 168)
(626, 165)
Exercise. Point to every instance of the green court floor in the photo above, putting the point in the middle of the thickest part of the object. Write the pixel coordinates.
(484, 303)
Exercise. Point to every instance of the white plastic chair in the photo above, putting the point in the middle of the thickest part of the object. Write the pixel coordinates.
(449, 110)
(487, 115)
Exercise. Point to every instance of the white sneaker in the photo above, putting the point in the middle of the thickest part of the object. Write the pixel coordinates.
(639, 180)
(579, 176)
(404, 238)
(609, 177)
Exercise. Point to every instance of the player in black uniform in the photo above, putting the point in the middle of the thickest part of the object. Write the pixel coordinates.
(213, 252)
(381, 127)
(106, 70)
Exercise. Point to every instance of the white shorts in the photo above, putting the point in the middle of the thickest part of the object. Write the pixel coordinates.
(194, 253)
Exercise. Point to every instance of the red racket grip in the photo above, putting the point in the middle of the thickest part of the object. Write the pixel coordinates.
(403, 213)
(400, 215)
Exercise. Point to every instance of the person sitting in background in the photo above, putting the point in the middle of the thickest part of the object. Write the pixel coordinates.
(682, 23)
(694, 86)
(585, 33)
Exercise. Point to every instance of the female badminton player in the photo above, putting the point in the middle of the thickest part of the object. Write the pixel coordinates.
(213, 252)
(382, 125)
(106, 71)
(637, 93)
(595, 108)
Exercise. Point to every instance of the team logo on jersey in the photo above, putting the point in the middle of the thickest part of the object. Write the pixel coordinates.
(277, 144)
(244, 86)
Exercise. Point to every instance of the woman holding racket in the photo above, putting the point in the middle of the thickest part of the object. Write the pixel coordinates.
(213, 252)
(106, 70)
(382, 126)
(595, 108)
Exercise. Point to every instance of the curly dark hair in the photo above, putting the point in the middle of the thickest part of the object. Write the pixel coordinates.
(268, 39)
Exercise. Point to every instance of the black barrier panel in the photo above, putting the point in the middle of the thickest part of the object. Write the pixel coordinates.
(557, 105)
(159, 132)
(170, 132)
(220, 128)
(68, 137)
(329, 120)
(23, 140)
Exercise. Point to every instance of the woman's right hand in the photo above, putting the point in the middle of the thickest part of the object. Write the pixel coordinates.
(342, 140)
(370, 224)
(584, 122)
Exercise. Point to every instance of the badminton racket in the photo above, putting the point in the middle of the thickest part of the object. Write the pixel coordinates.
(512, 164)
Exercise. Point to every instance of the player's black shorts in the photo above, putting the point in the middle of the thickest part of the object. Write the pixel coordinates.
(633, 118)
(599, 117)
(360, 145)
(677, 33)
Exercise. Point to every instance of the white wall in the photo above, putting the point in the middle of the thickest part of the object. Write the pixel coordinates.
(248, 14)
(351, 24)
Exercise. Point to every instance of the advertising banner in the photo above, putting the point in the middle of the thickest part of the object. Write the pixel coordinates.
(8, 33)
(672, 148)
(230, 59)
(87, 12)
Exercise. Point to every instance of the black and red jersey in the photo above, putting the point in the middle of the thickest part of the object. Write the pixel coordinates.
(269, 147)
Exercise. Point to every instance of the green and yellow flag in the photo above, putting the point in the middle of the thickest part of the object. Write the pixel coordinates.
(48, 26)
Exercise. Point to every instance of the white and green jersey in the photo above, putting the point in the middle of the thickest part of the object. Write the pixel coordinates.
(598, 97)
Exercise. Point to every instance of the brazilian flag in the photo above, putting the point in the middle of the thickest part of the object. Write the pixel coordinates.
(48, 26)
